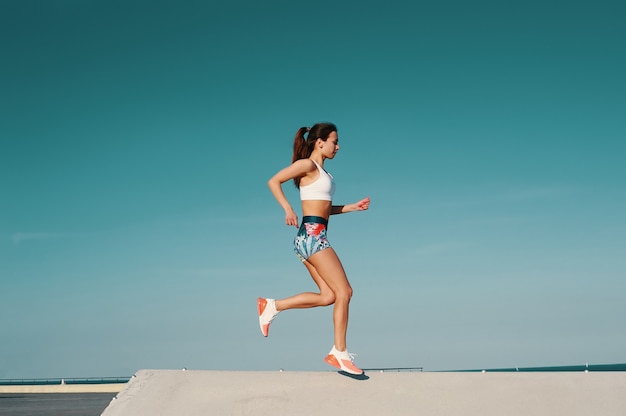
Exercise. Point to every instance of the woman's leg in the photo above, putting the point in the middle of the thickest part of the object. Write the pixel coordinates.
(309, 299)
(269, 308)
(329, 268)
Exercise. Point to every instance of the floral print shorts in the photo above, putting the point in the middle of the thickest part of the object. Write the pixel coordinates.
(311, 237)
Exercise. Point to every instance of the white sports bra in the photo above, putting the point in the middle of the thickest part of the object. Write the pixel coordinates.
(322, 189)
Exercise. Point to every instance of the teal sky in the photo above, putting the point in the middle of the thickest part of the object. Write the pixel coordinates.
(137, 137)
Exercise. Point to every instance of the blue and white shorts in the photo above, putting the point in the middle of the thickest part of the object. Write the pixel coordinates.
(311, 237)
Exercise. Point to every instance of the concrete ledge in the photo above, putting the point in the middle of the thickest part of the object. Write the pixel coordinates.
(190, 393)
(65, 388)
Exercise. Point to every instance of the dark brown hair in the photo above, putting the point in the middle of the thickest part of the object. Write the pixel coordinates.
(303, 146)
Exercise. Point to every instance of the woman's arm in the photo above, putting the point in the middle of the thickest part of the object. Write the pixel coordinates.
(362, 205)
(297, 169)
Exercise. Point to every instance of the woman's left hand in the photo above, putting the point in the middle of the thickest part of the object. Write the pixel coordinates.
(363, 204)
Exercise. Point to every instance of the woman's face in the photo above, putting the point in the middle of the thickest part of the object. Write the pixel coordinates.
(330, 147)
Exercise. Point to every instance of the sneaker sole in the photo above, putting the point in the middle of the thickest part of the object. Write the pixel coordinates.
(261, 305)
(331, 360)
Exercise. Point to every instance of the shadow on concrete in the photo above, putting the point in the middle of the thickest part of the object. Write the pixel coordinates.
(360, 377)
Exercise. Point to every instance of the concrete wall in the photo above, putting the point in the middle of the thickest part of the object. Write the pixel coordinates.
(190, 393)
(65, 388)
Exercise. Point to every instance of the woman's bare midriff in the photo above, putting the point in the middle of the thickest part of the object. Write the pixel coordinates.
(316, 208)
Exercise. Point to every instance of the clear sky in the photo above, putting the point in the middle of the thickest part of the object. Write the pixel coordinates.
(137, 137)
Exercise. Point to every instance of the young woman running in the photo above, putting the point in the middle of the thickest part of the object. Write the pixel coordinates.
(311, 245)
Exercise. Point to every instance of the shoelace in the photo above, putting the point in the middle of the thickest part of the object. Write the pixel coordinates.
(349, 354)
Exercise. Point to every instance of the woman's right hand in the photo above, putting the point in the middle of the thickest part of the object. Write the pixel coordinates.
(291, 218)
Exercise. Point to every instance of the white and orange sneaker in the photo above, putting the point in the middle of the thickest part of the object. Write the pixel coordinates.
(343, 361)
(267, 313)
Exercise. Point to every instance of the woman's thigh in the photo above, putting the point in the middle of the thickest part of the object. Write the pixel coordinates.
(328, 266)
(321, 284)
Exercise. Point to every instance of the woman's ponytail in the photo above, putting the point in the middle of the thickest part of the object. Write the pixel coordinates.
(303, 147)
(300, 145)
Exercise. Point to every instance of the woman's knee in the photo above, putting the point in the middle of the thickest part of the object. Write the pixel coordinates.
(327, 298)
(345, 294)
